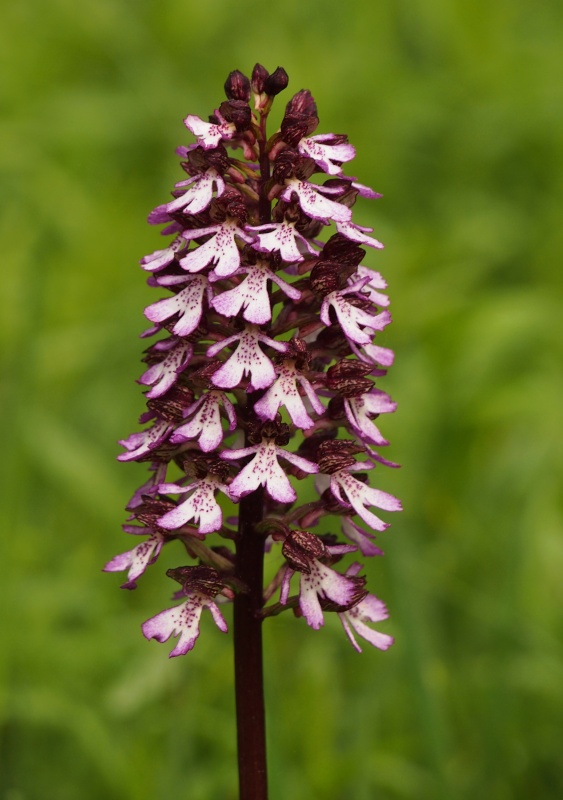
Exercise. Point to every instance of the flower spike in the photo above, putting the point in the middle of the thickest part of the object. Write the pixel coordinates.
(264, 370)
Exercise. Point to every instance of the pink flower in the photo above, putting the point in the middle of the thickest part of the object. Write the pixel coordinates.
(183, 621)
(205, 425)
(200, 193)
(282, 237)
(188, 303)
(139, 444)
(374, 282)
(351, 317)
(209, 134)
(351, 492)
(316, 581)
(161, 258)
(200, 506)
(373, 353)
(248, 359)
(355, 233)
(164, 374)
(362, 408)
(363, 539)
(137, 559)
(313, 203)
(251, 294)
(221, 250)
(284, 391)
(370, 609)
(325, 154)
(264, 470)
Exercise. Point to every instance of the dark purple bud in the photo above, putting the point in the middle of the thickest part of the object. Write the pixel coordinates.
(285, 165)
(171, 405)
(259, 75)
(326, 277)
(197, 579)
(151, 509)
(230, 204)
(302, 103)
(331, 504)
(276, 82)
(237, 86)
(336, 455)
(295, 126)
(237, 112)
(201, 378)
(339, 248)
(348, 377)
(300, 547)
(299, 351)
(200, 160)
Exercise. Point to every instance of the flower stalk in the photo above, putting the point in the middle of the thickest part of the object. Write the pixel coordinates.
(263, 374)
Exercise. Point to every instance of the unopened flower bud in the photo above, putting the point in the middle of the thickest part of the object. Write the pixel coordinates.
(302, 103)
(285, 165)
(197, 579)
(347, 377)
(339, 248)
(300, 547)
(238, 112)
(336, 455)
(276, 82)
(259, 75)
(237, 86)
(171, 406)
(326, 277)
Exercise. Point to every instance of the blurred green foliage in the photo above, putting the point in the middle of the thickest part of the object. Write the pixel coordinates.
(456, 111)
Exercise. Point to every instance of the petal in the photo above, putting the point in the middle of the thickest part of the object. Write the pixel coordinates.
(309, 603)
(182, 620)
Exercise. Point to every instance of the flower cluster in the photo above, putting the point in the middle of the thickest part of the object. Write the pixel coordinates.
(263, 371)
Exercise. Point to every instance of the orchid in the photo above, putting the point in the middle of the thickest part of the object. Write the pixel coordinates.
(264, 372)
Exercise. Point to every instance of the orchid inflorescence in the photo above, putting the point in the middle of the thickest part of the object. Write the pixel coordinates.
(269, 329)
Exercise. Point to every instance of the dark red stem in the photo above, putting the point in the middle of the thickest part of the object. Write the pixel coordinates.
(249, 682)
(249, 679)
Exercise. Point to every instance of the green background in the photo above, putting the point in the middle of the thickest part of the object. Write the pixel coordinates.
(455, 107)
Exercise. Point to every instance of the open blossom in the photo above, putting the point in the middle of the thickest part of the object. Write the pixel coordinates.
(356, 233)
(265, 470)
(362, 538)
(174, 356)
(351, 317)
(201, 585)
(220, 250)
(248, 359)
(161, 258)
(137, 559)
(281, 237)
(140, 444)
(209, 134)
(317, 581)
(356, 619)
(199, 194)
(201, 506)
(285, 392)
(314, 203)
(187, 304)
(351, 492)
(205, 424)
(361, 409)
(251, 295)
(320, 149)
(255, 381)
(183, 621)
